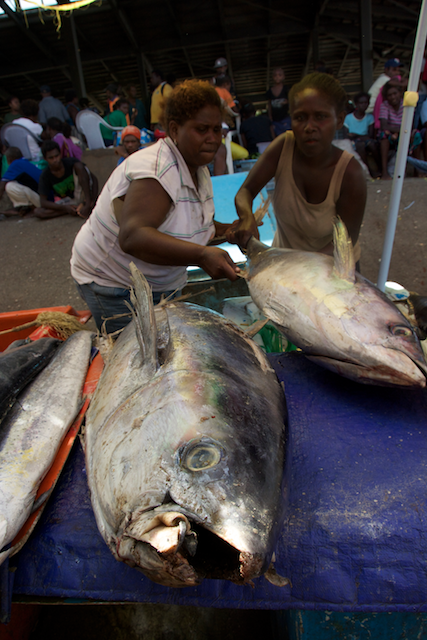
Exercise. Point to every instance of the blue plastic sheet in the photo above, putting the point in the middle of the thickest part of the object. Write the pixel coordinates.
(355, 536)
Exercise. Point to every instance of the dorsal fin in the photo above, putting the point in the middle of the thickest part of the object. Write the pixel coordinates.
(255, 247)
(256, 327)
(344, 265)
(143, 315)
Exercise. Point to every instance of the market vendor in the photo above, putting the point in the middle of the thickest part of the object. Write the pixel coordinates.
(156, 210)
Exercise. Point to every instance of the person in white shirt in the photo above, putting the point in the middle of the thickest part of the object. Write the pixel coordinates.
(156, 210)
(391, 69)
(29, 120)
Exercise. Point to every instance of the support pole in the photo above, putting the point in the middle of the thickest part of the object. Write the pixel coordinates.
(366, 48)
(81, 88)
(403, 145)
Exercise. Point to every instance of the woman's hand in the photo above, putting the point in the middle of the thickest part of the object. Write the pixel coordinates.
(218, 264)
(240, 231)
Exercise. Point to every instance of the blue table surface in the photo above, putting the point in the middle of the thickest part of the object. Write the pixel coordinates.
(355, 537)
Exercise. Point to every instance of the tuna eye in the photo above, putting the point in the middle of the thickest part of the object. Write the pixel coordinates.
(201, 456)
(401, 330)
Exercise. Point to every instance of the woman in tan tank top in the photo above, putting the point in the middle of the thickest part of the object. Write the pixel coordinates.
(315, 181)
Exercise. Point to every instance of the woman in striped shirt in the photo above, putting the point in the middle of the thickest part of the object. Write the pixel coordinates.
(391, 112)
(156, 210)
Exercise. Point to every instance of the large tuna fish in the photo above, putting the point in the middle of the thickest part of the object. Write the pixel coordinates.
(337, 317)
(33, 430)
(185, 447)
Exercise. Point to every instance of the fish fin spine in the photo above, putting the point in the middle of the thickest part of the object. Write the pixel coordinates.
(344, 264)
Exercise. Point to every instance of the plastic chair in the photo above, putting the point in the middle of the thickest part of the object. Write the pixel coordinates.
(262, 146)
(16, 135)
(88, 123)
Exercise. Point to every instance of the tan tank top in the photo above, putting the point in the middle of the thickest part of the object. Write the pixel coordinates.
(301, 224)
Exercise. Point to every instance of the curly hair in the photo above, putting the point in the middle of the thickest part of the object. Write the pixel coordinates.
(29, 107)
(187, 99)
(324, 83)
(361, 94)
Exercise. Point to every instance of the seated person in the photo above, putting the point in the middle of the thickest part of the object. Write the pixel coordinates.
(222, 87)
(391, 113)
(66, 186)
(359, 128)
(116, 118)
(129, 143)
(29, 120)
(14, 113)
(60, 132)
(20, 181)
(255, 129)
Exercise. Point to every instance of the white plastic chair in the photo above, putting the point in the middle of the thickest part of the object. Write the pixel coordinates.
(262, 146)
(88, 123)
(17, 136)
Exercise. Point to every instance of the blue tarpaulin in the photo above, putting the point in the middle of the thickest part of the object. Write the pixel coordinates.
(355, 537)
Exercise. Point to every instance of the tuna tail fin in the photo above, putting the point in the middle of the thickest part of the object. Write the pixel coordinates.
(344, 264)
(143, 315)
(254, 247)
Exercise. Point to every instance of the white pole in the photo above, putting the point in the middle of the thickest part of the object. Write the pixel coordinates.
(403, 145)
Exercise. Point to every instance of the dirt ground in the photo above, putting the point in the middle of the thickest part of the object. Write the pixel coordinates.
(34, 254)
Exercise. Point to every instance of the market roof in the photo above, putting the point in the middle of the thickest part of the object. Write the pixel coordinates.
(121, 40)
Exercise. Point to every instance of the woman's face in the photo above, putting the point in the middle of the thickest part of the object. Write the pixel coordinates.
(124, 107)
(131, 144)
(314, 122)
(198, 139)
(393, 96)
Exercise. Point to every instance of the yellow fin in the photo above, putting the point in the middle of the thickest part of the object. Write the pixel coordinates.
(344, 264)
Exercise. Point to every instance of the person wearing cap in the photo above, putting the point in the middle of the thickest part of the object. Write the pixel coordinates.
(50, 107)
(220, 68)
(391, 69)
(130, 142)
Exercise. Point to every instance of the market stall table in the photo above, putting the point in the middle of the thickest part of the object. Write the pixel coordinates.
(355, 534)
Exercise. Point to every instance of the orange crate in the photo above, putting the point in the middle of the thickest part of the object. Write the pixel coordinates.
(12, 319)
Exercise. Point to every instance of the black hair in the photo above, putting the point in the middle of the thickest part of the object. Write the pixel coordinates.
(361, 94)
(49, 145)
(248, 109)
(57, 125)
(119, 102)
(220, 81)
(29, 107)
(70, 94)
(324, 83)
(111, 87)
(13, 153)
(158, 73)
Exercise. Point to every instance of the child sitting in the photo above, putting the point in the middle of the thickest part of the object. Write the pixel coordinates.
(359, 127)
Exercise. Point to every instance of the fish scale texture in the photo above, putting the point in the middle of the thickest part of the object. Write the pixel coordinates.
(354, 537)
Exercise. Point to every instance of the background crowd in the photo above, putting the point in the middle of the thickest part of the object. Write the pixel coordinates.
(54, 180)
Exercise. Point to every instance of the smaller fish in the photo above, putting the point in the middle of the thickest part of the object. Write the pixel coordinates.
(34, 429)
(18, 366)
(334, 315)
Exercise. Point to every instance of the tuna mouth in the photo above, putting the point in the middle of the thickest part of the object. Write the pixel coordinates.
(175, 551)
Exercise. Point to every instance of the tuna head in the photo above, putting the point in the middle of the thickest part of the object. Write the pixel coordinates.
(186, 474)
(337, 317)
(195, 481)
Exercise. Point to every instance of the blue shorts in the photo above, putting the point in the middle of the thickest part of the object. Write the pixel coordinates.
(106, 302)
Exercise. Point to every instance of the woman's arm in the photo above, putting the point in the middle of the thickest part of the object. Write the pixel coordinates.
(261, 173)
(351, 203)
(139, 235)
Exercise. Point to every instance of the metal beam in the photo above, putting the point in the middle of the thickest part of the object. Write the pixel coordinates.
(366, 49)
(178, 29)
(29, 34)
